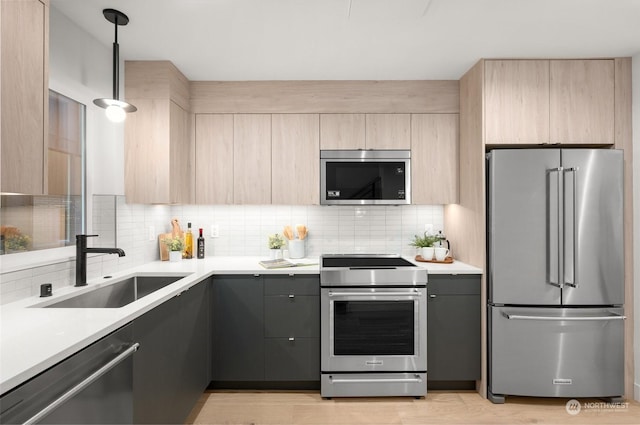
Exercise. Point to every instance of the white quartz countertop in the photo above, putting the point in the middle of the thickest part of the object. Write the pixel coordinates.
(32, 338)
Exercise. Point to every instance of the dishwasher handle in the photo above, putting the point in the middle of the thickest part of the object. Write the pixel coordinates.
(82, 385)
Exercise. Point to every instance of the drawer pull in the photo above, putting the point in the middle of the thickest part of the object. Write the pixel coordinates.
(292, 339)
(291, 296)
(432, 296)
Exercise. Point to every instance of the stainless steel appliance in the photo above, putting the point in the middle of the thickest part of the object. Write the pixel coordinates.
(555, 273)
(359, 177)
(373, 333)
(94, 386)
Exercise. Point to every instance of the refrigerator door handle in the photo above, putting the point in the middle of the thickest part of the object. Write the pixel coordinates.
(573, 282)
(566, 318)
(554, 228)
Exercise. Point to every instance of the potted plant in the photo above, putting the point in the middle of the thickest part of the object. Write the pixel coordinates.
(175, 245)
(275, 244)
(425, 244)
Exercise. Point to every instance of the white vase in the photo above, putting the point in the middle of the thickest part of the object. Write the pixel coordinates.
(175, 256)
(427, 253)
(276, 253)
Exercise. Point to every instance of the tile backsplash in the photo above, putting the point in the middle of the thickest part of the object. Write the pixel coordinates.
(243, 230)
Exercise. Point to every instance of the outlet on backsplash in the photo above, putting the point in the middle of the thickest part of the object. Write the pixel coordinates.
(215, 231)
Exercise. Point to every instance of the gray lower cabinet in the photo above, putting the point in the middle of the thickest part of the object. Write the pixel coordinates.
(171, 367)
(266, 331)
(292, 328)
(238, 331)
(453, 331)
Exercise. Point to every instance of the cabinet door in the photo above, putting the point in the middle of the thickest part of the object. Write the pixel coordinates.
(453, 328)
(24, 57)
(252, 159)
(342, 131)
(292, 285)
(156, 374)
(214, 158)
(295, 173)
(194, 337)
(388, 131)
(292, 359)
(238, 331)
(147, 152)
(290, 316)
(582, 101)
(516, 102)
(434, 158)
(180, 165)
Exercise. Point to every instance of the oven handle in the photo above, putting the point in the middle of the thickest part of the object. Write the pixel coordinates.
(375, 380)
(414, 293)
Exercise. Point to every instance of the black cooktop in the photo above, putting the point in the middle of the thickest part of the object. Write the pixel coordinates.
(365, 261)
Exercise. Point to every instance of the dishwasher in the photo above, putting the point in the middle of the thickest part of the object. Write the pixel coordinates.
(93, 386)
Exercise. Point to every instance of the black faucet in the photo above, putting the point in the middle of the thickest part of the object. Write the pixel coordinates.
(81, 257)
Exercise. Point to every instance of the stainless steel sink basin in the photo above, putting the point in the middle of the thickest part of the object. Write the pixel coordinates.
(117, 294)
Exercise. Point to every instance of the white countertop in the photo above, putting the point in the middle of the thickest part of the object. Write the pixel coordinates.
(33, 339)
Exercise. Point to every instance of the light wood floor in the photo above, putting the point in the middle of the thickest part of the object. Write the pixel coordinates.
(439, 407)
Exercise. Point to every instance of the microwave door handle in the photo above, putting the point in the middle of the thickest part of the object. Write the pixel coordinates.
(554, 227)
(573, 265)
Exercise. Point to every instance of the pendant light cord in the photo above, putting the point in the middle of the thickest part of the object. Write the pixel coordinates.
(116, 64)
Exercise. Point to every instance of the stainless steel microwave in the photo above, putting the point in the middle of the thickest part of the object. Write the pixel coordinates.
(365, 177)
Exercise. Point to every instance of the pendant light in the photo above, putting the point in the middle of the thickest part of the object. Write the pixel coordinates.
(116, 109)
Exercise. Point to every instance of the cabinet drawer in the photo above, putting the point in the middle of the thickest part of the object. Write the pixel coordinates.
(292, 360)
(292, 285)
(291, 316)
(454, 284)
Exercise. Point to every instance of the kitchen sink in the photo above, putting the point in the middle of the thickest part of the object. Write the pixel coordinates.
(119, 293)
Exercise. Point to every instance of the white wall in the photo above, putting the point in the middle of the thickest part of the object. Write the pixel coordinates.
(636, 219)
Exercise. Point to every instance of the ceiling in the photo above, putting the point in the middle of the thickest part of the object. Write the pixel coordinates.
(240, 40)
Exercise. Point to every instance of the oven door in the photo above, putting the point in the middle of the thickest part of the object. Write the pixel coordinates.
(374, 329)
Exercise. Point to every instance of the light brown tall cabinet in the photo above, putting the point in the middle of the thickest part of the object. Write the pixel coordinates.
(528, 103)
(25, 84)
(158, 145)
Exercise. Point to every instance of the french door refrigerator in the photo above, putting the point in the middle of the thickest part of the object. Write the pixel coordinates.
(555, 273)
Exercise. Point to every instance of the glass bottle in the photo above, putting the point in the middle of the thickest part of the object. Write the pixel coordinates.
(188, 243)
(200, 244)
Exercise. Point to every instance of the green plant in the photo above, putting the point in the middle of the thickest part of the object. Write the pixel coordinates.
(174, 244)
(276, 241)
(424, 241)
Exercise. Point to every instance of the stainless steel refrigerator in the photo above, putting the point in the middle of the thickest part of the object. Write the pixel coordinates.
(555, 273)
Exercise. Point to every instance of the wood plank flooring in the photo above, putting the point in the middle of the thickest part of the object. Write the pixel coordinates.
(439, 407)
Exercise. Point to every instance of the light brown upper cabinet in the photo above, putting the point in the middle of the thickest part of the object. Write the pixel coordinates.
(295, 170)
(517, 101)
(24, 54)
(342, 131)
(434, 158)
(214, 158)
(365, 131)
(549, 102)
(582, 101)
(388, 131)
(158, 146)
(252, 159)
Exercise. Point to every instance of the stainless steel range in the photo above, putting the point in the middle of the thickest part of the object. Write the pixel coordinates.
(373, 326)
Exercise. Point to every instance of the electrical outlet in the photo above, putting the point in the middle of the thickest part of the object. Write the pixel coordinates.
(215, 231)
(152, 233)
(428, 228)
